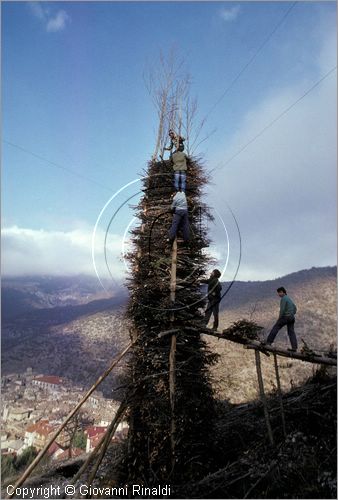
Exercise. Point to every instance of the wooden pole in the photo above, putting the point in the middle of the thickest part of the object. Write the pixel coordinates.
(89, 459)
(173, 272)
(264, 348)
(172, 354)
(167, 332)
(172, 384)
(321, 360)
(262, 395)
(279, 390)
(107, 438)
(44, 450)
(86, 463)
(162, 112)
(179, 120)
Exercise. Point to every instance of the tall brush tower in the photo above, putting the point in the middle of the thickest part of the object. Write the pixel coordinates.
(172, 409)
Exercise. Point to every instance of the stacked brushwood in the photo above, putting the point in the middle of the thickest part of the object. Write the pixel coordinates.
(150, 459)
(302, 464)
(243, 329)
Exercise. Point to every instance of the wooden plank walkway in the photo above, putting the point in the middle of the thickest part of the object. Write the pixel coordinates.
(267, 349)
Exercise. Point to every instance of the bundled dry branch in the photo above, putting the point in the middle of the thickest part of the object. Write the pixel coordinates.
(244, 329)
(302, 465)
(152, 312)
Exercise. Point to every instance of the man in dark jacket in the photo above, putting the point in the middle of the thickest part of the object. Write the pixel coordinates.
(286, 318)
(175, 140)
(214, 297)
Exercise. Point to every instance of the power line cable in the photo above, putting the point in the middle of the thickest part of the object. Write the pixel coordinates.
(250, 61)
(275, 120)
(260, 48)
(57, 165)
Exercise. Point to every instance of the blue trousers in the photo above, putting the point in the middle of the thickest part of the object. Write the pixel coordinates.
(180, 180)
(180, 219)
(289, 321)
(212, 308)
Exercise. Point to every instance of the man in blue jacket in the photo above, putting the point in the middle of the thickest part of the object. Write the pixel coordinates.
(286, 317)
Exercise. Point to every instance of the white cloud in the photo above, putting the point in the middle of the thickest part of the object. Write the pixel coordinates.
(38, 252)
(52, 21)
(37, 10)
(230, 14)
(282, 188)
(57, 22)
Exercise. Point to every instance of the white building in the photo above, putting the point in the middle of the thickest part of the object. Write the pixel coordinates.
(49, 383)
(15, 446)
(16, 414)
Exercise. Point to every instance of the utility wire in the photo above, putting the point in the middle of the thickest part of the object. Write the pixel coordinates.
(275, 120)
(57, 165)
(260, 48)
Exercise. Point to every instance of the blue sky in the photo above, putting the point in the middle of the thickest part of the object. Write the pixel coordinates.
(73, 93)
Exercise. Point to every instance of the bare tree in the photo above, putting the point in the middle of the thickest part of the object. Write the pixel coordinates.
(159, 81)
(169, 86)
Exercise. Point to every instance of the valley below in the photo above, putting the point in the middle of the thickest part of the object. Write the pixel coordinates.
(79, 339)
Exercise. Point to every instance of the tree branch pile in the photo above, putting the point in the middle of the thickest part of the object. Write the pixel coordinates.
(150, 459)
(243, 329)
(302, 465)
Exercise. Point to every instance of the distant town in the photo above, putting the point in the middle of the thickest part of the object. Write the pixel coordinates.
(33, 407)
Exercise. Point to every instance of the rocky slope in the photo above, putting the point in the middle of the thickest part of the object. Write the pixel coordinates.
(24, 294)
(315, 293)
(78, 341)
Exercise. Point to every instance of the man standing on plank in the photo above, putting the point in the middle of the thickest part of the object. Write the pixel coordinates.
(214, 297)
(286, 318)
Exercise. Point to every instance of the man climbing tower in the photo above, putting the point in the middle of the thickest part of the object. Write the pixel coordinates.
(179, 207)
(175, 140)
(180, 168)
(286, 317)
(214, 297)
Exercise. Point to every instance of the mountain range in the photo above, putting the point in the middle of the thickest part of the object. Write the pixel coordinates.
(72, 328)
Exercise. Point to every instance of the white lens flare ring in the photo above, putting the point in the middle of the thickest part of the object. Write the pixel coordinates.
(98, 221)
(126, 233)
(125, 242)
